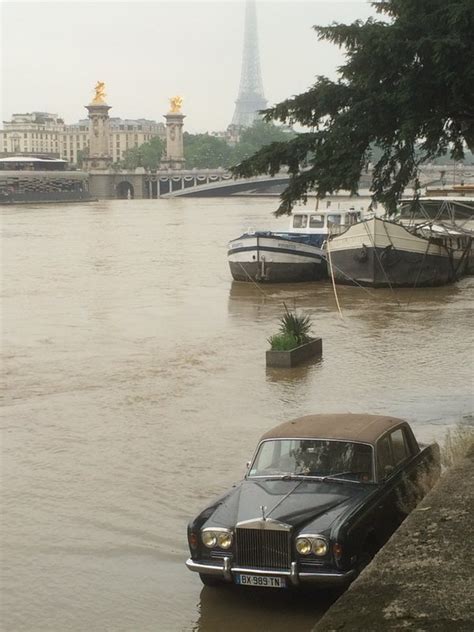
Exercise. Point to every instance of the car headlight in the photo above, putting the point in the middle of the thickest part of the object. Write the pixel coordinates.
(224, 540)
(303, 546)
(217, 537)
(209, 539)
(320, 546)
(315, 544)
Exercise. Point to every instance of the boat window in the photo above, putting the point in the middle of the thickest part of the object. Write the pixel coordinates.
(334, 219)
(316, 221)
(300, 221)
(353, 217)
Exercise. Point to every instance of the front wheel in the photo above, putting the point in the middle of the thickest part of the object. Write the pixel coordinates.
(211, 580)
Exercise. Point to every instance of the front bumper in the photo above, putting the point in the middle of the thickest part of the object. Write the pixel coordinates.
(295, 577)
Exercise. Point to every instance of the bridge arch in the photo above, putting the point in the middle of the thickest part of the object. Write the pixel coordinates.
(124, 190)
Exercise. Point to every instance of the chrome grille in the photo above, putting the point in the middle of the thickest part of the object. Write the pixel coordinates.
(263, 548)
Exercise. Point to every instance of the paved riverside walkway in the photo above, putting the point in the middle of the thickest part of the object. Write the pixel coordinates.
(423, 579)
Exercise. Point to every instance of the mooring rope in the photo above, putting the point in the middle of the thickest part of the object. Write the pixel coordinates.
(332, 278)
(353, 281)
(252, 280)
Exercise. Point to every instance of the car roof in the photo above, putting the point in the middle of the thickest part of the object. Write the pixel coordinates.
(345, 426)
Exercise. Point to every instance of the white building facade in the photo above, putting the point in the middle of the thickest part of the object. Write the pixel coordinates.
(47, 134)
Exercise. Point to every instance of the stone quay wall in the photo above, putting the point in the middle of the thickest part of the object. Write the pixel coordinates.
(423, 578)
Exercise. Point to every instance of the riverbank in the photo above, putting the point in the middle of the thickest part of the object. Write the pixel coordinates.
(423, 578)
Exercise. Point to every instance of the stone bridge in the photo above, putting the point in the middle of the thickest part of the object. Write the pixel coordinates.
(143, 184)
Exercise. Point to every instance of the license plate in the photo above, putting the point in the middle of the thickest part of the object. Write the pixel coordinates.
(260, 580)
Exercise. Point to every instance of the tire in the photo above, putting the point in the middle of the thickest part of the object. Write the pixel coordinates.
(210, 580)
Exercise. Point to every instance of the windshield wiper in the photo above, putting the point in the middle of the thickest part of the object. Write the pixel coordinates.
(289, 477)
(334, 477)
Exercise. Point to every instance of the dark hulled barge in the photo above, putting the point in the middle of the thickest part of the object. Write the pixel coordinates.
(429, 243)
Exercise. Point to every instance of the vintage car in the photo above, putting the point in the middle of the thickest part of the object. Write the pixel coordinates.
(321, 495)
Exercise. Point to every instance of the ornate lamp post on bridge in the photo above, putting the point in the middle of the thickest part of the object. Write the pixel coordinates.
(99, 152)
(174, 158)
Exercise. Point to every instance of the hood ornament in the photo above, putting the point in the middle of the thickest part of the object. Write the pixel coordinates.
(263, 508)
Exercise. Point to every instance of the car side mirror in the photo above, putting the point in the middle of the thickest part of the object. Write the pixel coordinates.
(387, 470)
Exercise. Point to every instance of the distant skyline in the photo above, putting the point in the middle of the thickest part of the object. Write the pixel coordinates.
(53, 53)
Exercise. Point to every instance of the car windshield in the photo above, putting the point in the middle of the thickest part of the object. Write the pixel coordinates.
(318, 458)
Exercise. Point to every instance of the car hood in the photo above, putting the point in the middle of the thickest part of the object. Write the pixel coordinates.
(292, 502)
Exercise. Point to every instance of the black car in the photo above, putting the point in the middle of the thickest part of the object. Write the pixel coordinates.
(322, 494)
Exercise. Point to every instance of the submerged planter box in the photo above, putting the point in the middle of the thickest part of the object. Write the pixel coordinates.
(287, 359)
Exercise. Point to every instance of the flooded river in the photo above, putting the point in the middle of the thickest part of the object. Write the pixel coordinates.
(136, 390)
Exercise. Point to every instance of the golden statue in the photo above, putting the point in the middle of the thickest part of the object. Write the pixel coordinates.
(176, 103)
(99, 97)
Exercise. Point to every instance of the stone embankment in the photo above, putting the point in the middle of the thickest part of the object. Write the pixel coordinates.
(423, 579)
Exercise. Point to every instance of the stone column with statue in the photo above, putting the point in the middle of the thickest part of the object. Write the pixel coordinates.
(174, 158)
(99, 135)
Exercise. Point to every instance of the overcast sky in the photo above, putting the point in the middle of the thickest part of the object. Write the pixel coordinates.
(146, 52)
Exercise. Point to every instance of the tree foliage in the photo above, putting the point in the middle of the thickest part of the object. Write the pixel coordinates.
(406, 87)
(146, 155)
(82, 155)
(203, 151)
(253, 138)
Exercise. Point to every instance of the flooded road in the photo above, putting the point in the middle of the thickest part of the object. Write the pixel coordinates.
(136, 390)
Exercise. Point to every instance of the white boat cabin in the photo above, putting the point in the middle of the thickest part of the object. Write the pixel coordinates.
(323, 222)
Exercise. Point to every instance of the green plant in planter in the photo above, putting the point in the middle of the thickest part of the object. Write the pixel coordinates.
(283, 342)
(294, 331)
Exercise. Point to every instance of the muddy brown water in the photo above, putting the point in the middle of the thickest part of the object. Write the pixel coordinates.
(136, 390)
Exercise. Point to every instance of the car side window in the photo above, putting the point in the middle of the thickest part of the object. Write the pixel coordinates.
(399, 447)
(384, 458)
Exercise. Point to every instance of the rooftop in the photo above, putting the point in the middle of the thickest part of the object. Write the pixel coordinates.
(344, 426)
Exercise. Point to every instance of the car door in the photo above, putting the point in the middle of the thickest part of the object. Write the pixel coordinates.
(406, 465)
(394, 456)
(387, 475)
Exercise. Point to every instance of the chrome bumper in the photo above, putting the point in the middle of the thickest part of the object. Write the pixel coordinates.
(336, 578)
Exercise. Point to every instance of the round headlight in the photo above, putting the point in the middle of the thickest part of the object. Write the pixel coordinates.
(320, 546)
(303, 546)
(224, 540)
(209, 539)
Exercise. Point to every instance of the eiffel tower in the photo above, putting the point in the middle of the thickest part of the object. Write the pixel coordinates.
(251, 98)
